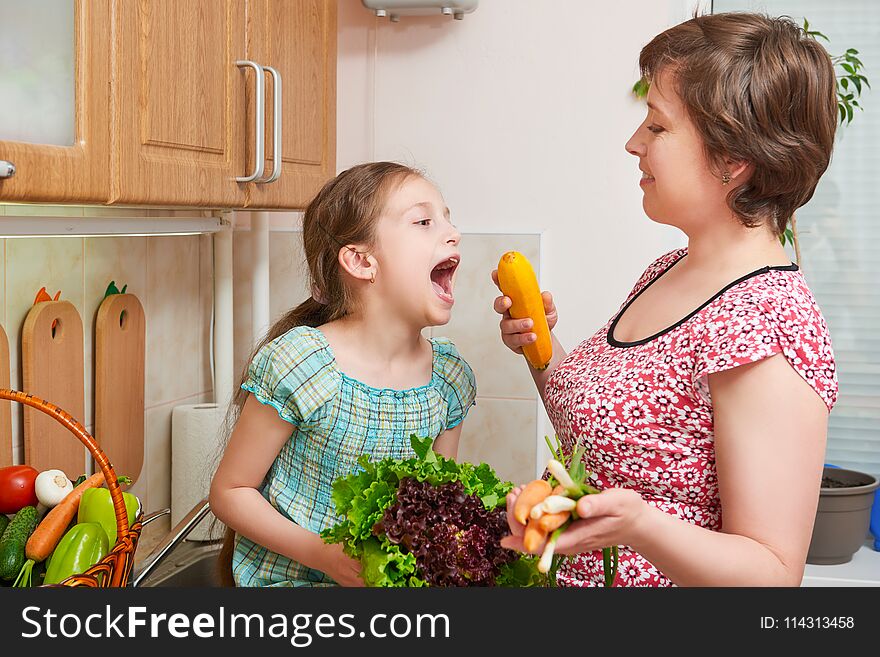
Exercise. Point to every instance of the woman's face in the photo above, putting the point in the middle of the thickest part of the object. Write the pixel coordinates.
(679, 187)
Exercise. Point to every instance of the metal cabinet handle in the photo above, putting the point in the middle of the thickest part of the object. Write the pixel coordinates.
(259, 120)
(276, 126)
(7, 169)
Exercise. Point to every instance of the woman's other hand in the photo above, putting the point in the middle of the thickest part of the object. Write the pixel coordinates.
(516, 332)
(609, 518)
(344, 570)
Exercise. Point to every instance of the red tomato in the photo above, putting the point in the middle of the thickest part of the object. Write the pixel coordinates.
(17, 488)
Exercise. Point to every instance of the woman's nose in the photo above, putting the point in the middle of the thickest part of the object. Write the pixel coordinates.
(635, 145)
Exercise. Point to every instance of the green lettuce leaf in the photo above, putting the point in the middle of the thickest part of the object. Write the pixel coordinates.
(361, 499)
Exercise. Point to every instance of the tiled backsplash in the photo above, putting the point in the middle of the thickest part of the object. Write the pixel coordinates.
(172, 277)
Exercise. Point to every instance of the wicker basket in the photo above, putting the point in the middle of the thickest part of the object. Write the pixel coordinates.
(115, 568)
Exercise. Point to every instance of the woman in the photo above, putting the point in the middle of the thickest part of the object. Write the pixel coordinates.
(703, 403)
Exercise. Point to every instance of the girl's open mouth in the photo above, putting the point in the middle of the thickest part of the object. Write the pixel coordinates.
(441, 278)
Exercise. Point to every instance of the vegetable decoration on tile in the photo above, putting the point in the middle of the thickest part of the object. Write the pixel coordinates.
(112, 289)
(42, 296)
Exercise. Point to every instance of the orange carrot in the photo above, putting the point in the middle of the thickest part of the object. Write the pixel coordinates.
(534, 493)
(550, 521)
(534, 536)
(50, 530)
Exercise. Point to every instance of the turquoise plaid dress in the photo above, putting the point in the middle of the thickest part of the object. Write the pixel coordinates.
(334, 420)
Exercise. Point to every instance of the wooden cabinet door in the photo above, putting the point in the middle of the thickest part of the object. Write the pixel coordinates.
(298, 39)
(179, 103)
(79, 172)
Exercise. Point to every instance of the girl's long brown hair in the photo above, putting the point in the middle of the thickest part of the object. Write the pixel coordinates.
(344, 212)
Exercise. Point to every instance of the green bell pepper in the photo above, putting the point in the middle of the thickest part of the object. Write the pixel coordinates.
(96, 505)
(84, 545)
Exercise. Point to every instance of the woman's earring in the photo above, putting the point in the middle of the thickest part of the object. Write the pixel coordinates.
(725, 177)
(372, 277)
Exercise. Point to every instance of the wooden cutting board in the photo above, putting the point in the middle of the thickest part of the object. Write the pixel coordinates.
(5, 406)
(120, 338)
(52, 369)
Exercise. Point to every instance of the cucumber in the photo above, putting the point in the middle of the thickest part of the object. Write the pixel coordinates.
(13, 540)
(3, 522)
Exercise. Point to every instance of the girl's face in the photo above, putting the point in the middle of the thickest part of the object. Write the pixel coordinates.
(417, 252)
(680, 188)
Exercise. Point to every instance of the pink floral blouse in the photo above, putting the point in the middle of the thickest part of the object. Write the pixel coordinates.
(643, 411)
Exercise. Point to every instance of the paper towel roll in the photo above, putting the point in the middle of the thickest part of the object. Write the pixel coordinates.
(195, 452)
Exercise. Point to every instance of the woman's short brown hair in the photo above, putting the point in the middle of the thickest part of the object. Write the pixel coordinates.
(760, 90)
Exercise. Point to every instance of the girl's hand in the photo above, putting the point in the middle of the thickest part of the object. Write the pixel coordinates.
(515, 332)
(344, 570)
(611, 517)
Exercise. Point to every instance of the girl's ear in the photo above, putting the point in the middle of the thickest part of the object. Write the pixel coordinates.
(357, 263)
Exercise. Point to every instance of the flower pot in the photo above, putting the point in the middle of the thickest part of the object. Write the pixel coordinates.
(843, 515)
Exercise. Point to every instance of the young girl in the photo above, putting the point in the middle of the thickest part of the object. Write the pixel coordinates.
(343, 374)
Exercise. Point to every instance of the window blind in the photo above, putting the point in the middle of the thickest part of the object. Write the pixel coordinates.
(839, 230)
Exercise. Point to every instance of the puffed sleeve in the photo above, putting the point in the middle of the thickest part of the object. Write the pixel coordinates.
(456, 382)
(776, 314)
(293, 373)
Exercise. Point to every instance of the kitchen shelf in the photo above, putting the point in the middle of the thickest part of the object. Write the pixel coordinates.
(22, 220)
(863, 570)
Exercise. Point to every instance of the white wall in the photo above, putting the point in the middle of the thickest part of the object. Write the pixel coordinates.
(519, 113)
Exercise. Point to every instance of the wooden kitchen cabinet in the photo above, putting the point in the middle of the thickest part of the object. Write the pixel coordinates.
(180, 103)
(186, 107)
(166, 109)
(77, 172)
(298, 39)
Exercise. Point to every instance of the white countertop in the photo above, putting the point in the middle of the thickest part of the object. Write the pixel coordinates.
(863, 570)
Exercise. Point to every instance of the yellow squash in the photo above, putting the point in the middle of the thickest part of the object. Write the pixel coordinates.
(517, 280)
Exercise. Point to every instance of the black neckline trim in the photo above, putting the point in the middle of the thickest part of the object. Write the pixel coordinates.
(617, 343)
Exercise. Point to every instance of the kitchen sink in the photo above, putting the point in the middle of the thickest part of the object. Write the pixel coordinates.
(191, 564)
(177, 561)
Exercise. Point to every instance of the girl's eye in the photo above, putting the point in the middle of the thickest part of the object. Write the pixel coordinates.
(656, 129)
(424, 222)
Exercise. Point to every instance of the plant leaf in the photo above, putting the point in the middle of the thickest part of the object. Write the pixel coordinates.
(640, 88)
(421, 446)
